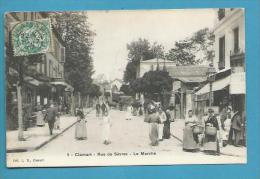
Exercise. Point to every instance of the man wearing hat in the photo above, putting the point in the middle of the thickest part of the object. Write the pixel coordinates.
(51, 115)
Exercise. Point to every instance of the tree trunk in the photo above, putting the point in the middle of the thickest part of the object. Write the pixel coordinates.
(20, 113)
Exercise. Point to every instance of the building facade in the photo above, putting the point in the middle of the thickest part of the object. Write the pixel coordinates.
(229, 87)
(152, 64)
(43, 74)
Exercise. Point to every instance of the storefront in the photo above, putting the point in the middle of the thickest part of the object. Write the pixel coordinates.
(229, 90)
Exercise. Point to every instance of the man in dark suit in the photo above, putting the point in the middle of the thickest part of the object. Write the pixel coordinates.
(50, 116)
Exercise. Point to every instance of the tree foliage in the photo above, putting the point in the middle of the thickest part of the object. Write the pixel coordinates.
(152, 82)
(137, 50)
(78, 40)
(194, 50)
(127, 90)
(156, 82)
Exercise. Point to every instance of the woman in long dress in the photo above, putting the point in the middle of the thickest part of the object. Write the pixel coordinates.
(106, 124)
(39, 117)
(81, 128)
(190, 140)
(57, 120)
(226, 128)
(211, 144)
(129, 110)
(154, 120)
(162, 117)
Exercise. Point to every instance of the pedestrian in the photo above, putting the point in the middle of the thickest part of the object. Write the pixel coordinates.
(153, 119)
(190, 139)
(129, 110)
(39, 116)
(167, 123)
(171, 112)
(211, 144)
(50, 116)
(106, 124)
(98, 109)
(57, 119)
(236, 127)
(226, 128)
(163, 119)
(81, 129)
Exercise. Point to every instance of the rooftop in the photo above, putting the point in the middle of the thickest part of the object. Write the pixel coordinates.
(154, 60)
(191, 73)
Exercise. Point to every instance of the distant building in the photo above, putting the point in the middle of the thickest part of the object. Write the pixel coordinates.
(115, 85)
(186, 79)
(229, 86)
(151, 65)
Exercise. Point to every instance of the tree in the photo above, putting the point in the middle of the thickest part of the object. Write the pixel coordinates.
(78, 40)
(126, 90)
(156, 82)
(194, 50)
(137, 85)
(137, 50)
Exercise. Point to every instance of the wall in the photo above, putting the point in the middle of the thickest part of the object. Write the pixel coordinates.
(225, 26)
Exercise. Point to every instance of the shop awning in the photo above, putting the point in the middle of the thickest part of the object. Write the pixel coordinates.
(32, 81)
(238, 83)
(63, 83)
(216, 86)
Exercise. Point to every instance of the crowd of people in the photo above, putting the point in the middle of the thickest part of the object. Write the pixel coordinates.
(159, 121)
(211, 132)
(206, 133)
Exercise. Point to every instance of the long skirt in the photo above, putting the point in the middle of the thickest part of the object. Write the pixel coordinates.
(167, 130)
(211, 144)
(154, 134)
(57, 123)
(81, 130)
(105, 131)
(190, 140)
(160, 131)
(40, 119)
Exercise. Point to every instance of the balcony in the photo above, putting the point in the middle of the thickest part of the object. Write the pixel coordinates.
(237, 54)
(237, 61)
(221, 64)
(221, 14)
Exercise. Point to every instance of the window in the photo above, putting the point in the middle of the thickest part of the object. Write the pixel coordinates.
(221, 14)
(25, 16)
(45, 65)
(236, 39)
(222, 52)
(32, 15)
(151, 68)
(50, 69)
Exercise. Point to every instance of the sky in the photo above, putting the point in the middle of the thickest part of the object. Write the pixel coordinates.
(115, 29)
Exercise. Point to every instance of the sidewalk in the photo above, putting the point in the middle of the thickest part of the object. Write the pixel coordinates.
(230, 150)
(37, 137)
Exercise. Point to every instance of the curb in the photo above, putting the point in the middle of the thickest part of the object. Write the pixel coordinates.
(225, 154)
(29, 149)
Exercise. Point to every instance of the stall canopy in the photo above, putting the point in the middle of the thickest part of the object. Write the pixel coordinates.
(216, 86)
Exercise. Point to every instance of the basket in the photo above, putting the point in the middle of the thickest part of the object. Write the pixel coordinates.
(197, 130)
(211, 131)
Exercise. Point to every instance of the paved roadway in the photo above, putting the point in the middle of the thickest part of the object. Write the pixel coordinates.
(126, 136)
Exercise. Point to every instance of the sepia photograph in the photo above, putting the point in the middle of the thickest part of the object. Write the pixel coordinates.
(125, 87)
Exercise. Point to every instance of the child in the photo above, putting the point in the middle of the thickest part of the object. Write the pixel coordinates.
(81, 129)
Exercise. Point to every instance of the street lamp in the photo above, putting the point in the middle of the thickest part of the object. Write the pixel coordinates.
(211, 78)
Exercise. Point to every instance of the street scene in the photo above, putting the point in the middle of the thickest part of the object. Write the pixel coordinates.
(101, 88)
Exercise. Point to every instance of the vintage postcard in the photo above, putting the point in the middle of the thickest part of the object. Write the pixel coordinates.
(125, 87)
